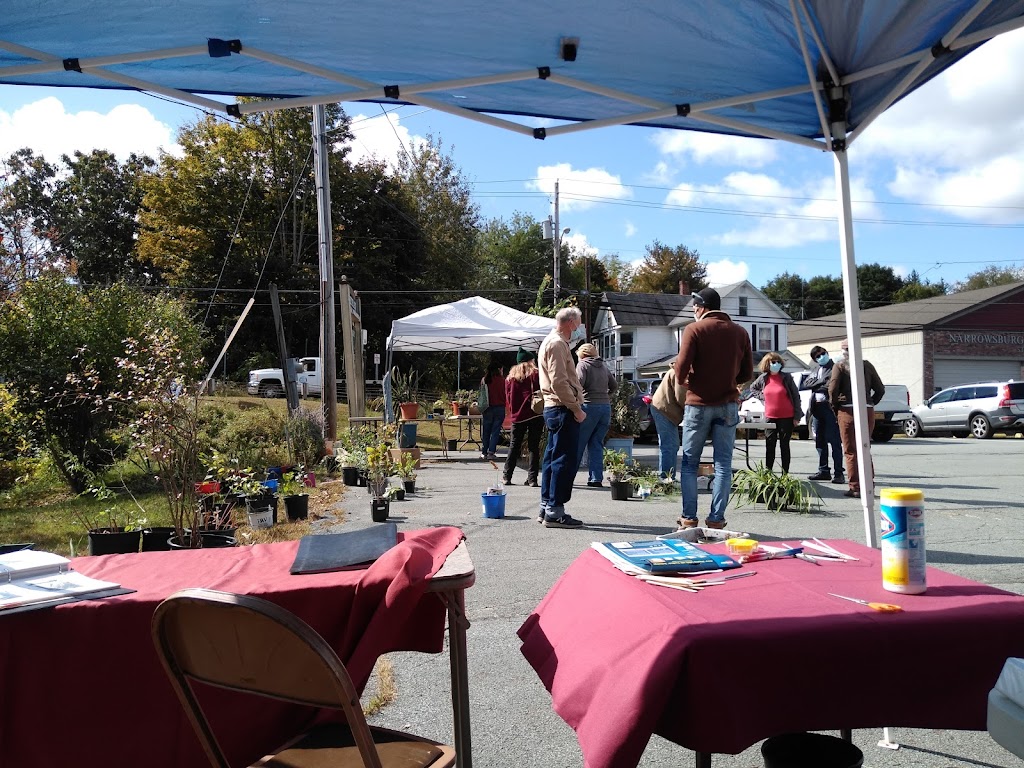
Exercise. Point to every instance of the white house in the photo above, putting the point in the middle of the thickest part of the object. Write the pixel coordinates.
(638, 333)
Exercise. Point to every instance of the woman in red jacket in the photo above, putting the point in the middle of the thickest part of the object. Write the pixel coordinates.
(522, 381)
(778, 392)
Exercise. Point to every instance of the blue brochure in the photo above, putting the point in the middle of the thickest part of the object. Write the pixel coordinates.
(667, 556)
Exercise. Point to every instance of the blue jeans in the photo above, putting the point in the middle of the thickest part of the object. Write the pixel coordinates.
(668, 443)
(699, 422)
(591, 439)
(490, 427)
(826, 436)
(557, 470)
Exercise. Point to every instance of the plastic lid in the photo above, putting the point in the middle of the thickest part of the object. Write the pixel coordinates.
(902, 494)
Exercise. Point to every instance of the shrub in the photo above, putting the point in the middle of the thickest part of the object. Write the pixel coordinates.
(254, 438)
(307, 437)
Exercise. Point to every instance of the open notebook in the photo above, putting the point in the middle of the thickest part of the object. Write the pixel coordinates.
(37, 579)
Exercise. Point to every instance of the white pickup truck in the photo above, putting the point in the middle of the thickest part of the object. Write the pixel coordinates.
(269, 382)
(890, 412)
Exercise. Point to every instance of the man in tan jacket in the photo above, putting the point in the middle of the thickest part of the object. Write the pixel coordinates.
(563, 413)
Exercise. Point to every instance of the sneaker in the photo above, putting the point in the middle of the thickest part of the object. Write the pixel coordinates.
(821, 474)
(716, 524)
(532, 481)
(594, 484)
(483, 457)
(541, 516)
(506, 481)
(492, 457)
(838, 479)
(565, 521)
(852, 494)
(687, 522)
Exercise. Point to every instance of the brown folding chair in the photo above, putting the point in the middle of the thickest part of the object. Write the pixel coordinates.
(246, 644)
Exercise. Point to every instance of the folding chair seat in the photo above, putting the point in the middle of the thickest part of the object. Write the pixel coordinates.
(250, 645)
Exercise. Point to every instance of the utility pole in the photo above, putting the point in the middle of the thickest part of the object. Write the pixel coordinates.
(328, 357)
(557, 242)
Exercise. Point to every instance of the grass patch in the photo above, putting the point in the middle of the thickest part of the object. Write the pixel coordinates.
(385, 690)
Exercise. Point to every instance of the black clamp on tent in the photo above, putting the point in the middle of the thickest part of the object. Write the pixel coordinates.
(939, 50)
(72, 65)
(682, 110)
(540, 133)
(218, 48)
(233, 110)
(391, 91)
(543, 72)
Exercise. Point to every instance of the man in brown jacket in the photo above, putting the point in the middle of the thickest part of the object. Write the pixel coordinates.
(840, 395)
(714, 359)
(563, 413)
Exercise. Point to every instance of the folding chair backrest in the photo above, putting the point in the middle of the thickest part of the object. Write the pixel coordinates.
(247, 644)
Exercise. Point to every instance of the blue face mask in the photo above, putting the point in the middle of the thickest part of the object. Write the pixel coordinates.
(775, 367)
(578, 334)
(823, 359)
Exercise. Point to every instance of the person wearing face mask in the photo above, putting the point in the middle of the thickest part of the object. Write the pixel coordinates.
(714, 360)
(823, 420)
(778, 392)
(840, 393)
(563, 414)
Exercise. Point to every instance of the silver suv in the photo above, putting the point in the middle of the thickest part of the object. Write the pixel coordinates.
(978, 409)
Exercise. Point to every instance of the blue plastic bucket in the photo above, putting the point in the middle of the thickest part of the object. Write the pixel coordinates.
(407, 437)
(494, 505)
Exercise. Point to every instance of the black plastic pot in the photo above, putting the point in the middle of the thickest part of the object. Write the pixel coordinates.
(350, 475)
(453, 445)
(622, 490)
(206, 541)
(379, 509)
(155, 539)
(113, 541)
(399, 494)
(409, 485)
(297, 506)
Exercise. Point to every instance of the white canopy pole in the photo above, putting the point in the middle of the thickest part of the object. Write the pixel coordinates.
(850, 296)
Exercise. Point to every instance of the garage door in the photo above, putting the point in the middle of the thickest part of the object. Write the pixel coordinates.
(949, 373)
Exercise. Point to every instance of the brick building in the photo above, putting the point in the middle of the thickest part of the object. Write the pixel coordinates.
(932, 344)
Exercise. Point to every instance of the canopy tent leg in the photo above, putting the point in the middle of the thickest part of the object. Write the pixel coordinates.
(850, 297)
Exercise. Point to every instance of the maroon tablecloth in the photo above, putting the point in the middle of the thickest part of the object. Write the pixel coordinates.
(720, 670)
(82, 684)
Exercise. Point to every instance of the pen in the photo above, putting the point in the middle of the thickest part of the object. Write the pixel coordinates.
(808, 558)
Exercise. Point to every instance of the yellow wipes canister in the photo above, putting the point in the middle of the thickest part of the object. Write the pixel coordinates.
(903, 548)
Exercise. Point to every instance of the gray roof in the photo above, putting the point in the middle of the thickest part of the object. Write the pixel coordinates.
(644, 308)
(908, 316)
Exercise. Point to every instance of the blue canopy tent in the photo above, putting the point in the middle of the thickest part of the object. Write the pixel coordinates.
(812, 72)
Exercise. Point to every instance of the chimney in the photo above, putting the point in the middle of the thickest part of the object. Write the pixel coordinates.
(684, 288)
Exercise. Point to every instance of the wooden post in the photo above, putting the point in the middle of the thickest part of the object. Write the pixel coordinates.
(287, 370)
(352, 346)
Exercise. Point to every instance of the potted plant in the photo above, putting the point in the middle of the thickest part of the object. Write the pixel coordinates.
(405, 468)
(619, 468)
(293, 490)
(403, 392)
(395, 492)
(464, 398)
(113, 532)
(378, 469)
(625, 421)
(777, 492)
(439, 405)
(258, 500)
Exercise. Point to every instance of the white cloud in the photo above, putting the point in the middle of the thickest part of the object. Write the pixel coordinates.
(951, 142)
(715, 148)
(578, 189)
(780, 216)
(51, 131)
(726, 271)
(580, 244)
(382, 137)
(630, 229)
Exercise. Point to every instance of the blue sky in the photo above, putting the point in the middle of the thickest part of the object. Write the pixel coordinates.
(938, 181)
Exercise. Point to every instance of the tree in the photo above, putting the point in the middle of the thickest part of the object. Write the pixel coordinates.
(26, 183)
(664, 268)
(787, 291)
(877, 285)
(443, 210)
(914, 289)
(513, 256)
(990, 276)
(823, 296)
(53, 334)
(95, 217)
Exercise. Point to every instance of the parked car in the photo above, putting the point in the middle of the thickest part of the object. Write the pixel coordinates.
(979, 409)
(269, 382)
(641, 402)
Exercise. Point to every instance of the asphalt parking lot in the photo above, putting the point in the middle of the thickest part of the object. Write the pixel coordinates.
(975, 528)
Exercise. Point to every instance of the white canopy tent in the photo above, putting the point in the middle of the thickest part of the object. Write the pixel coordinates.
(475, 324)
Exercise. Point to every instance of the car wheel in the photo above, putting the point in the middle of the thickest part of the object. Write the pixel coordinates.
(912, 427)
(271, 389)
(881, 435)
(980, 427)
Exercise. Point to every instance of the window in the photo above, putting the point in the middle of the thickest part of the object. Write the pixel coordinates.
(743, 306)
(625, 343)
(943, 397)
(765, 339)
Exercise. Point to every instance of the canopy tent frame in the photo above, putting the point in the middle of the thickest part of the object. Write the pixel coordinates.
(831, 131)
